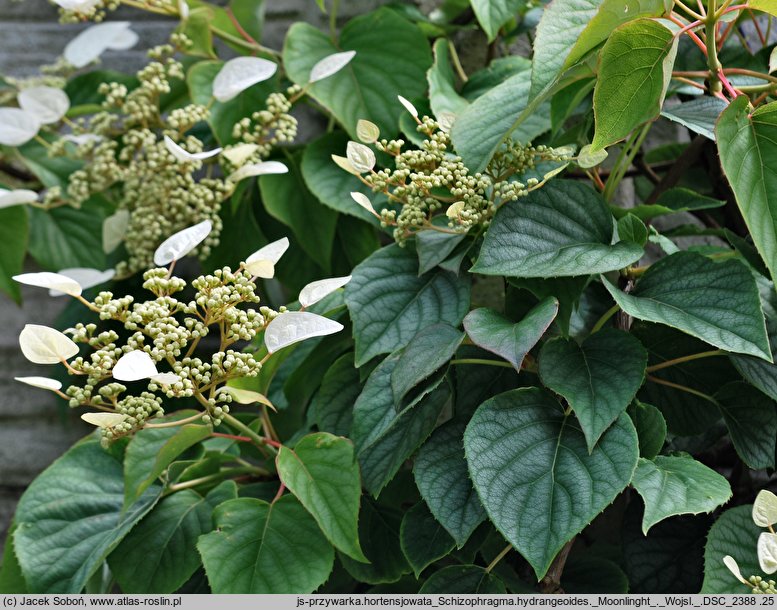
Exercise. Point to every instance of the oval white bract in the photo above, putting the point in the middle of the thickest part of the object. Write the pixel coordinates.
(165, 378)
(767, 552)
(16, 197)
(446, 120)
(44, 345)
(765, 509)
(53, 281)
(134, 366)
(183, 10)
(183, 155)
(93, 41)
(331, 64)
(239, 74)
(360, 156)
(246, 397)
(86, 278)
(44, 383)
(293, 326)
(17, 126)
(367, 131)
(262, 268)
(114, 230)
(315, 291)
(733, 566)
(258, 169)
(271, 252)
(104, 420)
(180, 244)
(47, 104)
(345, 164)
(363, 201)
(454, 209)
(237, 155)
(408, 106)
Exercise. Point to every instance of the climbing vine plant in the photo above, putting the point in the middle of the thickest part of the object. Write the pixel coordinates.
(495, 327)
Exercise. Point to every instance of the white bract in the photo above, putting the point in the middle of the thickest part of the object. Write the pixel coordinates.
(44, 345)
(367, 131)
(245, 397)
(331, 64)
(586, 158)
(732, 565)
(237, 155)
(239, 74)
(17, 126)
(114, 230)
(134, 366)
(363, 201)
(47, 104)
(408, 106)
(81, 138)
(361, 157)
(86, 278)
(53, 281)
(104, 420)
(44, 383)
(315, 291)
(293, 326)
(16, 197)
(95, 40)
(767, 552)
(261, 268)
(180, 244)
(183, 155)
(446, 120)
(262, 262)
(345, 164)
(183, 10)
(262, 168)
(454, 209)
(765, 509)
(165, 378)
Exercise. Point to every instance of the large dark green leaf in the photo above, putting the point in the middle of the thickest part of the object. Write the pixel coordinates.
(160, 554)
(265, 548)
(563, 229)
(735, 534)
(65, 237)
(761, 374)
(493, 14)
(650, 426)
(747, 145)
(496, 333)
(751, 418)
(286, 198)
(463, 579)
(13, 235)
(677, 485)
(422, 538)
(71, 518)
(332, 406)
(634, 72)
(477, 140)
(389, 303)
(715, 302)
(699, 115)
(367, 87)
(11, 577)
(323, 473)
(532, 470)
(443, 96)
(599, 378)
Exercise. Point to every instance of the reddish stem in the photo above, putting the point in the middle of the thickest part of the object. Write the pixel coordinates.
(727, 85)
(234, 437)
(281, 489)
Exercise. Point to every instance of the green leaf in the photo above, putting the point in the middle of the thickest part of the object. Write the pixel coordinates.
(599, 378)
(265, 548)
(715, 302)
(558, 32)
(332, 405)
(160, 554)
(379, 532)
(593, 575)
(385, 437)
(427, 352)
(11, 577)
(196, 27)
(434, 247)
(699, 115)
(389, 303)
(735, 534)
(747, 145)
(224, 115)
(13, 235)
(634, 72)
(563, 229)
(152, 450)
(323, 473)
(677, 485)
(673, 201)
(423, 539)
(566, 290)
(65, 237)
(367, 87)
(70, 518)
(477, 140)
(497, 334)
(532, 470)
(762, 375)
(330, 184)
(650, 426)
(286, 198)
(250, 15)
(493, 14)
(443, 96)
(440, 471)
(463, 579)
(631, 228)
(751, 418)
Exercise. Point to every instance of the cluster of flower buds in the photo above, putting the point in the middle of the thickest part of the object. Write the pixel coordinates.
(764, 515)
(128, 386)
